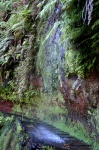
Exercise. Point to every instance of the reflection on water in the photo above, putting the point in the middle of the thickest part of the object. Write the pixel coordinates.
(44, 134)
(36, 134)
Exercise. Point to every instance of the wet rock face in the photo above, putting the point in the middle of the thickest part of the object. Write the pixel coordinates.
(81, 94)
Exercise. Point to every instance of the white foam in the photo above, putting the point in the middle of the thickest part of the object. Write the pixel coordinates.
(44, 134)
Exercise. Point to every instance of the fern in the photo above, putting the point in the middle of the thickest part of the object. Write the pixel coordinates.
(47, 8)
(81, 37)
(96, 24)
(18, 26)
(41, 4)
(5, 5)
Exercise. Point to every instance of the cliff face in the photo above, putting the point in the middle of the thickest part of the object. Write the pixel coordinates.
(47, 48)
(81, 95)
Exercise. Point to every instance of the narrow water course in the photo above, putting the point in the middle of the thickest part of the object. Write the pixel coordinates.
(38, 135)
(43, 134)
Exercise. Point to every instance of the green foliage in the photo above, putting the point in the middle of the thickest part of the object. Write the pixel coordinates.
(8, 93)
(47, 9)
(79, 59)
(48, 62)
(94, 119)
(19, 20)
(5, 4)
(47, 148)
(76, 130)
(14, 142)
(14, 22)
(8, 138)
(5, 132)
(80, 38)
(51, 107)
(51, 32)
(81, 56)
(13, 30)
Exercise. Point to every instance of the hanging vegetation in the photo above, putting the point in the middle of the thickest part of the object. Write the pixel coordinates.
(48, 38)
(79, 27)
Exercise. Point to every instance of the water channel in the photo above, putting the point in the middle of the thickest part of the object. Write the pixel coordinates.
(40, 134)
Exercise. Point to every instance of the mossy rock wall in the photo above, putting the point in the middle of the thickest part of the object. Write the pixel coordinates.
(47, 48)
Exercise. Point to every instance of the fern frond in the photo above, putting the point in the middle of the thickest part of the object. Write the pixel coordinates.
(96, 24)
(17, 26)
(47, 8)
(41, 4)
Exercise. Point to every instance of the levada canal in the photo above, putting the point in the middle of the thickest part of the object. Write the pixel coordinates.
(18, 133)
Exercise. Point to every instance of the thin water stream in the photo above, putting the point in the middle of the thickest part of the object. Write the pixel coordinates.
(40, 134)
(49, 135)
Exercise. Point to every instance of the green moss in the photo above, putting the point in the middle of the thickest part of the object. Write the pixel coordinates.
(7, 139)
(94, 119)
(8, 93)
(35, 28)
(80, 37)
(47, 148)
(76, 130)
(5, 132)
(14, 142)
(10, 134)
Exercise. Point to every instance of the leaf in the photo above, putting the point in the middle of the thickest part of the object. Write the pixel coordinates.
(47, 8)
(96, 24)
(18, 25)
